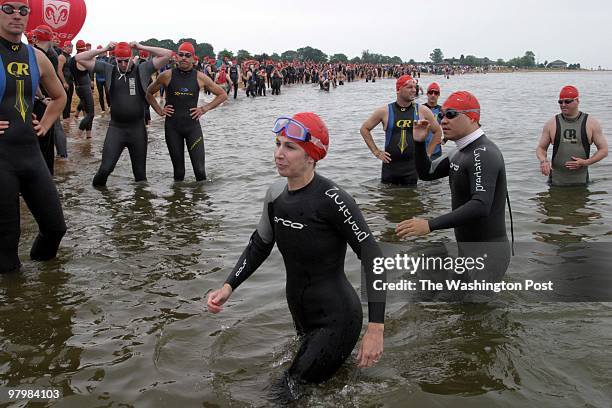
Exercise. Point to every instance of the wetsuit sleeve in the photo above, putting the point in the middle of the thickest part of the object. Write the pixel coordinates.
(344, 214)
(427, 169)
(482, 170)
(259, 247)
(101, 68)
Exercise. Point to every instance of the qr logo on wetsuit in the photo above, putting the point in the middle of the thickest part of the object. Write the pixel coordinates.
(570, 135)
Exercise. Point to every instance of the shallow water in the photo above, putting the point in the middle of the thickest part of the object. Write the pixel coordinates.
(119, 318)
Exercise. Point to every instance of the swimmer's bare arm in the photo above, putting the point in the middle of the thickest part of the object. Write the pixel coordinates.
(87, 59)
(61, 61)
(220, 96)
(434, 126)
(161, 56)
(599, 140)
(546, 139)
(379, 116)
(55, 92)
(163, 79)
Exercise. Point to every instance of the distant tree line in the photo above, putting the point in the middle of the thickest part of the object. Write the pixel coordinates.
(526, 61)
(301, 54)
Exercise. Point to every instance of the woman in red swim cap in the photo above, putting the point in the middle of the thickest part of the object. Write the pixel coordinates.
(312, 220)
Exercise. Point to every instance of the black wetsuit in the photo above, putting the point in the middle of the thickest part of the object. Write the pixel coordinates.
(47, 142)
(183, 92)
(82, 83)
(477, 178)
(399, 143)
(22, 168)
(70, 81)
(127, 124)
(311, 227)
(233, 73)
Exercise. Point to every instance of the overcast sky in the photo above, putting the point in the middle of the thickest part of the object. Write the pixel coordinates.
(573, 31)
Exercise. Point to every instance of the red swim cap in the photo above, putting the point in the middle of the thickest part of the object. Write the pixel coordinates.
(568, 92)
(402, 81)
(433, 87)
(80, 45)
(187, 47)
(99, 47)
(463, 100)
(317, 146)
(43, 33)
(144, 54)
(2, 2)
(123, 50)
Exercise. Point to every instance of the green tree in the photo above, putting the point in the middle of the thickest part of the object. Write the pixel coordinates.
(275, 57)
(225, 54)
(355, 60)
(436, 56)
(289, 55)
(243, 55)
(500, 62)
(311, 54)
(338, 58)
(528, 59)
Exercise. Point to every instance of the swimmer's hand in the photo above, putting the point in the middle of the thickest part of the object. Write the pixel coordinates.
(413, 227)
(167, 111)
(545, 167)
(38, 128)
(217, 298)
(4, 124)
(371, 347)
(576, 163)
(196, 113)
(385, 157)
(420, 130)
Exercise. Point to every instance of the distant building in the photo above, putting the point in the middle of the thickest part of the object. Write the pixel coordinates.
(557, 64)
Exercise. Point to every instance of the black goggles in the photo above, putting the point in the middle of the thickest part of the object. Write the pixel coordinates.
(10, 9)
(453, 113)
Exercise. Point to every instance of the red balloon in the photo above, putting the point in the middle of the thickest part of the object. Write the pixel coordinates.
(65, 17)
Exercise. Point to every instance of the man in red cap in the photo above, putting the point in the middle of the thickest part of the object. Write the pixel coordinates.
(83, 86)
(434, 149)
(399, 119)
(22, 168)
(182, 113)
(125, 84)
(477, 176)
(571, 133)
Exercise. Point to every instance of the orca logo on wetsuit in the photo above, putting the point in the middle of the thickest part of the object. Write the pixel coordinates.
(183, 92)
(288, 223)
(403, 123)
(239, 271)
(454, 166)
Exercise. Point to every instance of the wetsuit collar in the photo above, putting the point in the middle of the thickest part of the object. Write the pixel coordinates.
(574, 119)
(10, 45)
(464, 141)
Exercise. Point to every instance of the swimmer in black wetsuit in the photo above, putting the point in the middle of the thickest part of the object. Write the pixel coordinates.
(22, 168)
(83, 89)
(477, 177)
(182, 113)
(126, 83)
(398, 119)
(312, 220)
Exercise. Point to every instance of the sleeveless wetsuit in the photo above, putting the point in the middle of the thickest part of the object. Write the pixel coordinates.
(438, 150)
(399, 143)
(22, 168)
(183, 93)
(127, 124)
(70, 81)
(82, 83)
(233, 72)
(570, 140)
(311, 227)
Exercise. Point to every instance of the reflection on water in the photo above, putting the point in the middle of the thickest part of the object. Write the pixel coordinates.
(568, 209)
(118, 319)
